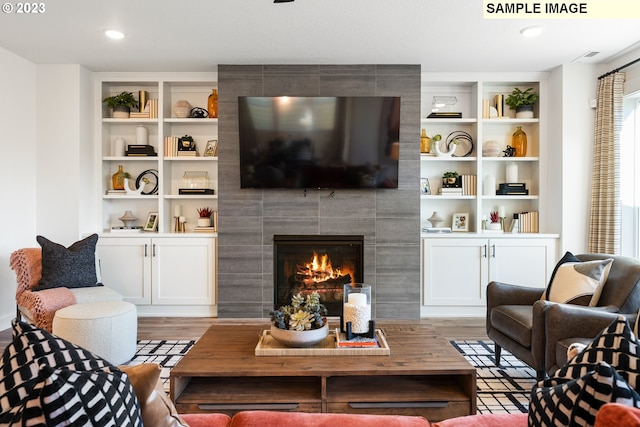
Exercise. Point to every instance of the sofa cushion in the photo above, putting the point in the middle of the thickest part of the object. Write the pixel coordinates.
(514, 321)
(156, 408)
(486, 420)
(33, 351)
(65, 397)
(576, 282)
(562, 401)
(297, 419)
(207, 420)
(619, 415)
(617, 346)
(72, 267)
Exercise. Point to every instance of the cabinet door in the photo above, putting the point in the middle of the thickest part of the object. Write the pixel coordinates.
(183, 271)
(526, 262)
(454, 271)
(125, 267)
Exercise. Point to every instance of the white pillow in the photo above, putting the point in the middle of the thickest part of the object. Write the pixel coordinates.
(576, 281)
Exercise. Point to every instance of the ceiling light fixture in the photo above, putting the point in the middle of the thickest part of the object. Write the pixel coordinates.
(531, 31)
(114, 34)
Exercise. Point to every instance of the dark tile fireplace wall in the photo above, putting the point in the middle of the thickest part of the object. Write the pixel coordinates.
(388, 219)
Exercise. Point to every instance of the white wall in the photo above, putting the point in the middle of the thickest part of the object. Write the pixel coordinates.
(18, 170)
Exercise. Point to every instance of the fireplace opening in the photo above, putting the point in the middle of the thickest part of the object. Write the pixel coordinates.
(323, 263)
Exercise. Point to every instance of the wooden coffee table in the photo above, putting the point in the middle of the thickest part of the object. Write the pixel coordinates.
(424, 375)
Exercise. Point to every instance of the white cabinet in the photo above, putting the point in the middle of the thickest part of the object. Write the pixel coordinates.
(456, 270)
(170, 275)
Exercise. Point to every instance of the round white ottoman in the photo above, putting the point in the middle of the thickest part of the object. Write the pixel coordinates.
(108, 329)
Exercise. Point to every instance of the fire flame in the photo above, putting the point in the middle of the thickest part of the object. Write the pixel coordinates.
(320, 270)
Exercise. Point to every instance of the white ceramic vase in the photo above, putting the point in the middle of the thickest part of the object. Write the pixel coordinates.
(299, 338)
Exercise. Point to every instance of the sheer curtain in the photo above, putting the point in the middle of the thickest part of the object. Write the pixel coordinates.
(604, 222)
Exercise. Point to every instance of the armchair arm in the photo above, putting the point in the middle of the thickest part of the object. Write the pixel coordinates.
(564, 321)
(499, 293)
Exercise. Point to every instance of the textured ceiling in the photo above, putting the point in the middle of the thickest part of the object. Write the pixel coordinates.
(197, 35)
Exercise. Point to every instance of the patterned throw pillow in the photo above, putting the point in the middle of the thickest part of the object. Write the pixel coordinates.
(72, 267)
(615, 345)
(576, 402)
(34, 353)
(578, 282)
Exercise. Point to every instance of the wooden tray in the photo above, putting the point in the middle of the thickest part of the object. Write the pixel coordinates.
(268, 346)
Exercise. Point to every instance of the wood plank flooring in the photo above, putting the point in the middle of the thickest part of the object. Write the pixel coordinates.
(194, 327)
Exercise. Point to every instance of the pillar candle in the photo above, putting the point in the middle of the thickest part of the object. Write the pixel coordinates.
(512, 172)
(142, 135)
(177, 210)
(357, 299)
(501, 212)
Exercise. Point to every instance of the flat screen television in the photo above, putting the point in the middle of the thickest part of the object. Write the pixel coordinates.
(319, 142)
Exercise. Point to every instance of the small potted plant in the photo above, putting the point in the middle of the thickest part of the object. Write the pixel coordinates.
(522, 102)
(495, 221)
(302, 323)
(204, 219)
(121, 104)
(450, 179)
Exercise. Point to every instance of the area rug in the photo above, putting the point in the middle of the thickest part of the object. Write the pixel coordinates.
(503, 389)
(500, 389)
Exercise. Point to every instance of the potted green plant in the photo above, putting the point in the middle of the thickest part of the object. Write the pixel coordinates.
(121, 104)
(450, 179)
(302, 323)
(522, 102)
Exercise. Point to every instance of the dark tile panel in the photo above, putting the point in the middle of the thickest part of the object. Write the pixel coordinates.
(394, 259)
(397, 231)
(398, 287)
(240, 310)
(241, 230)
(234, 259)
(291, 225)
(289, 69)
(350, 225)
(399, 70)
(397, 311)
(240, 288)
(290, 203)
(409, 175)
(398, 203)
(346, 85)
(348, 69)
(240, 203)
(347, 203)
(291, 85)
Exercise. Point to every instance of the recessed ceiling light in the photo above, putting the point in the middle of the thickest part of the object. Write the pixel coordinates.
(531, 31)
(114, 34)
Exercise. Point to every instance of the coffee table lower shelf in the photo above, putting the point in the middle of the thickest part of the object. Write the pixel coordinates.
(433, 397)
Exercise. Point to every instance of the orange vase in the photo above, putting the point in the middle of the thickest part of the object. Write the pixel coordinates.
(212, 104)
(519, 142)
(118, 179)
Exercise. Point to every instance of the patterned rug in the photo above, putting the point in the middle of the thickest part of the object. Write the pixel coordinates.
(503, 389)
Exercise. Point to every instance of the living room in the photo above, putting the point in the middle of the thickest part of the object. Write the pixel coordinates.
(51, 124)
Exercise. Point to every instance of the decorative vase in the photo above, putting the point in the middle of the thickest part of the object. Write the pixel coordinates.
(512, 172)
(117, 180)
(128, 219)
(142, 135)
(490, 149)
(118, 147)
(524, 111)
(212, 104)
(519, 142)
(204, 222)
(436, 220)
(489, 185)
(143, 97)
(182, 109)
(494, 226)
(299, 338)
(425, 142)
(356, 308)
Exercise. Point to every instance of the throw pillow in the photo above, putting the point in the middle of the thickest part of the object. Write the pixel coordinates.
(615, 345)
(575, 402)
(156, 408)
(567, 257)
(63, 397)
(72, 267)
(579, 282)
(30, 351)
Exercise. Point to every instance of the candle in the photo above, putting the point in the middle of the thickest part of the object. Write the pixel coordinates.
(357, 299)
(501, 212)
(512, 172)
(177, 210)
(183, 219)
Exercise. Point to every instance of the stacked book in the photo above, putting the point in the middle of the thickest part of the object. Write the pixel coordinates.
(450, 191)
(528, 222)
(355, 342)
(469, 183)
(512, 189)
(436, 229)
(150, 111)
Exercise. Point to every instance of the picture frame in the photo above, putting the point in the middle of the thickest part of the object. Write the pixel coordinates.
(460, 222)
(211, 149)
(151, 224)
(425, 188)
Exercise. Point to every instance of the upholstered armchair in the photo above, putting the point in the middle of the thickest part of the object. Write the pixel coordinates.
(516, 315)
(38, 307)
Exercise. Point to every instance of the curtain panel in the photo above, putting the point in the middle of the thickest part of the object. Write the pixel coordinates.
(605, 219)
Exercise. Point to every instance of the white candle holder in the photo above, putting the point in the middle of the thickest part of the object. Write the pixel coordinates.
(356, 311)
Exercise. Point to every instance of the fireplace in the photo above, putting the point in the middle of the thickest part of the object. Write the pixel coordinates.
(323, 263)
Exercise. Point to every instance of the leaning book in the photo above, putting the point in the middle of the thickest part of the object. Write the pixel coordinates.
(342, 341)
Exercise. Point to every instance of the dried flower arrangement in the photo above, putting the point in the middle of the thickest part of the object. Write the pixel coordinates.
(302, 314)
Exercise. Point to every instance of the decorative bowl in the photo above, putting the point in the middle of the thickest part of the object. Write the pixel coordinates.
(299, 338)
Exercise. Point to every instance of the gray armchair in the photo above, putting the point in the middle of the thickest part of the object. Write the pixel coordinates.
(516, 315)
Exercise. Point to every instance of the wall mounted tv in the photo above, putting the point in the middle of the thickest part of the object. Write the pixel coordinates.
(319, 142)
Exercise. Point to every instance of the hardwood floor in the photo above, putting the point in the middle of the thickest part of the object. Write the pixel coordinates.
(194, 327)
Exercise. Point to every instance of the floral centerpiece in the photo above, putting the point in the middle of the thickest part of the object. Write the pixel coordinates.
(302, 323)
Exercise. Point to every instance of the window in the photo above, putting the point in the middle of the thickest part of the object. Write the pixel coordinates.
(630, 176)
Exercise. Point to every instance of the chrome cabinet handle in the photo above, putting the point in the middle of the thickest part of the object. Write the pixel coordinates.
(145, 250)
(154, 250)
(493, 251)
(484, 255)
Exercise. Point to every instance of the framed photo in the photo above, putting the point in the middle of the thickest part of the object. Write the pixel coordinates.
(211, 149)
(425, 188)
(460, 222)
(152, 222)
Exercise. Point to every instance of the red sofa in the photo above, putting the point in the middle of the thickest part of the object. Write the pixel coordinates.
(300, 419)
